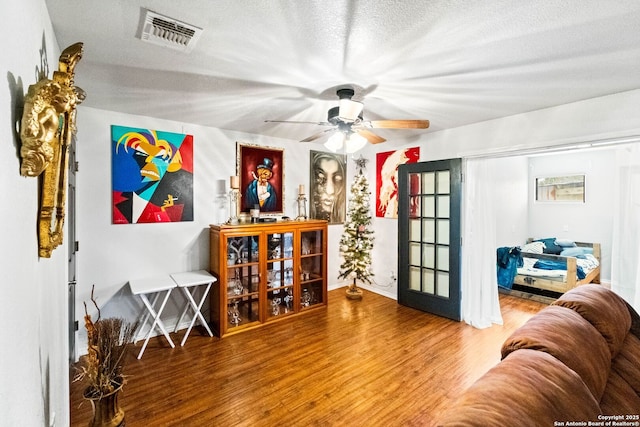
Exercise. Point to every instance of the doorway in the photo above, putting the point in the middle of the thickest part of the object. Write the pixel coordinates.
(73, 247)
(429, 215)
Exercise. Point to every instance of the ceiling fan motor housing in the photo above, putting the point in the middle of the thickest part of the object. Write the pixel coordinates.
(333, 118)
(345, 93)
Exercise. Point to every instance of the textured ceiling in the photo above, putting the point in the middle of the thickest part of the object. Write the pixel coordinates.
(453, 62)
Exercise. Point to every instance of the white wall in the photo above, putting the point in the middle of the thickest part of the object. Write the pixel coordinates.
(512, 214)
(591, 221)
(110, 255)
(34, 388)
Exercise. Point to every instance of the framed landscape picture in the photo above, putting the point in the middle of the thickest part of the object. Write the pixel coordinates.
(565, 188)
(261, 172)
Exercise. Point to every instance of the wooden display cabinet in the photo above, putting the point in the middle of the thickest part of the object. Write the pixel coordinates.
(266, 272)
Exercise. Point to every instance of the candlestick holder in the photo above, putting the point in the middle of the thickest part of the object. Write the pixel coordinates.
(221, 208)
(302, 207)
(234, 196)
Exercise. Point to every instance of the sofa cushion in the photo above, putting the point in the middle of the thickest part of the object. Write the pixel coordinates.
(603, 308)
(627, 362)
(619, 397)
(564, 334)
(635, 320)
(517, 390)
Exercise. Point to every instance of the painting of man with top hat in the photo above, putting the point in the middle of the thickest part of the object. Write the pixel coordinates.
(260, 171)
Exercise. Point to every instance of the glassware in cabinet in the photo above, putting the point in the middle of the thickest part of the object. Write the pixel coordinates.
(259, 268)
(280, 274)
(243, 281)
(312, 268)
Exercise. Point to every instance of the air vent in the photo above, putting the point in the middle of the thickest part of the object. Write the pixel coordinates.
(165, 31)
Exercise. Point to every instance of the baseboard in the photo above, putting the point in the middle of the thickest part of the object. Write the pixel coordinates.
(369, 288)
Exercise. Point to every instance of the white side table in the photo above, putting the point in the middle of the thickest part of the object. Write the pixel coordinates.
(145, 287)
(194, 279)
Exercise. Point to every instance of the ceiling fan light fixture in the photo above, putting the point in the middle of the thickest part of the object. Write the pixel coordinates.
(355, 143)
(349, 110)
(348, 126)
(335, 142)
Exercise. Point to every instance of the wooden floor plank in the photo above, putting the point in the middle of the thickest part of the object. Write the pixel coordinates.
(354, 363)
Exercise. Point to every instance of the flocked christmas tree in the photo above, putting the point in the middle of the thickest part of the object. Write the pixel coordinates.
(356, 242)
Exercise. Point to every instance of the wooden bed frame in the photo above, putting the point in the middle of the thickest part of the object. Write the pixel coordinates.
(559, 284)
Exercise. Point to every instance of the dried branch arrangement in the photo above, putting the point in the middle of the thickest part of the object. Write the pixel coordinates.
(107, 342)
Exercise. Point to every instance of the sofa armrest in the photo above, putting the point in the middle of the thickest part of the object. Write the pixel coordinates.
(635, 320)
(527, 386)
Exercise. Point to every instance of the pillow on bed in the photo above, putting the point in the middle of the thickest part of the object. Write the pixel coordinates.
(577, 251)
(565, 243)
(534, 247)
(550, 246)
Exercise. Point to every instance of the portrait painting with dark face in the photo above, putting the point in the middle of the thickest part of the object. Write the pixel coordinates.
(328, 172)
(152, 176)
(261, 178)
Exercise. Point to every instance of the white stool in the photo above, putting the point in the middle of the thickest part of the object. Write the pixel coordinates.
(145, 287)
(193, 279)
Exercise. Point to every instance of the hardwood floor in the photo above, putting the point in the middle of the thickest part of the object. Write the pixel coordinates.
(354, 363)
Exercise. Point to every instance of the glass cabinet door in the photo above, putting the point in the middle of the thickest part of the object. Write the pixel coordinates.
(243, 280)
(279, 274)
(311, 268)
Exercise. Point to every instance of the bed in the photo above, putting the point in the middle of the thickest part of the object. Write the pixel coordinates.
(559, 269)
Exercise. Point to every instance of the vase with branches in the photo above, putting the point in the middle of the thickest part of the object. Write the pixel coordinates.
(108, 342)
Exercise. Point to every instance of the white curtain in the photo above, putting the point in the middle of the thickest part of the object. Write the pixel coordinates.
(480, 301)
(625, 247)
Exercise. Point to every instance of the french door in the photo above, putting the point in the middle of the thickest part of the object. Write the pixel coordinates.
(429, 236)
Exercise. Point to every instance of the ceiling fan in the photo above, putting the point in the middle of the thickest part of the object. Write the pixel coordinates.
(348, 126)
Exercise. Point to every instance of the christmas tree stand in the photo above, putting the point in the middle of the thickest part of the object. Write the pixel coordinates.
(353, 291)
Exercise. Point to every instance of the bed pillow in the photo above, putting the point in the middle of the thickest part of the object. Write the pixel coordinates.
(565, 243)
(550, 246)
(534, 247)
(577, 251)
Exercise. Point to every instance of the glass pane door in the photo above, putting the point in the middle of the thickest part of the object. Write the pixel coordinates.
(279, 274)
(243, 281)
(311, 268)
(429, 226)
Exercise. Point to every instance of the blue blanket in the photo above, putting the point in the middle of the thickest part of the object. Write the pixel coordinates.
(508, 259)
(545, 264)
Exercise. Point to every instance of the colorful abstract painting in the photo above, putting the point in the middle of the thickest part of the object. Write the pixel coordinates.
(152, 176)
(387, 179)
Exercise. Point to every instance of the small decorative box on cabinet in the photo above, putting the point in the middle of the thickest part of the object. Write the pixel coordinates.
(266, 272)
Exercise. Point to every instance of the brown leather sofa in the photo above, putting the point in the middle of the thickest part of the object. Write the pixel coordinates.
(575, 362)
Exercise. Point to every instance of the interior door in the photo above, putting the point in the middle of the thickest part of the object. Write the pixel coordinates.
(429, 236)
(71, 239)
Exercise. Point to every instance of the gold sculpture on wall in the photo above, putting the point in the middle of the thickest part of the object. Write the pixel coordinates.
(47, 128)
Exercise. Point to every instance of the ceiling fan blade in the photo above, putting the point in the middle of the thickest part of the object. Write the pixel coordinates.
(296, 122)
(397, 124)
(316, 136)
(370, 136)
